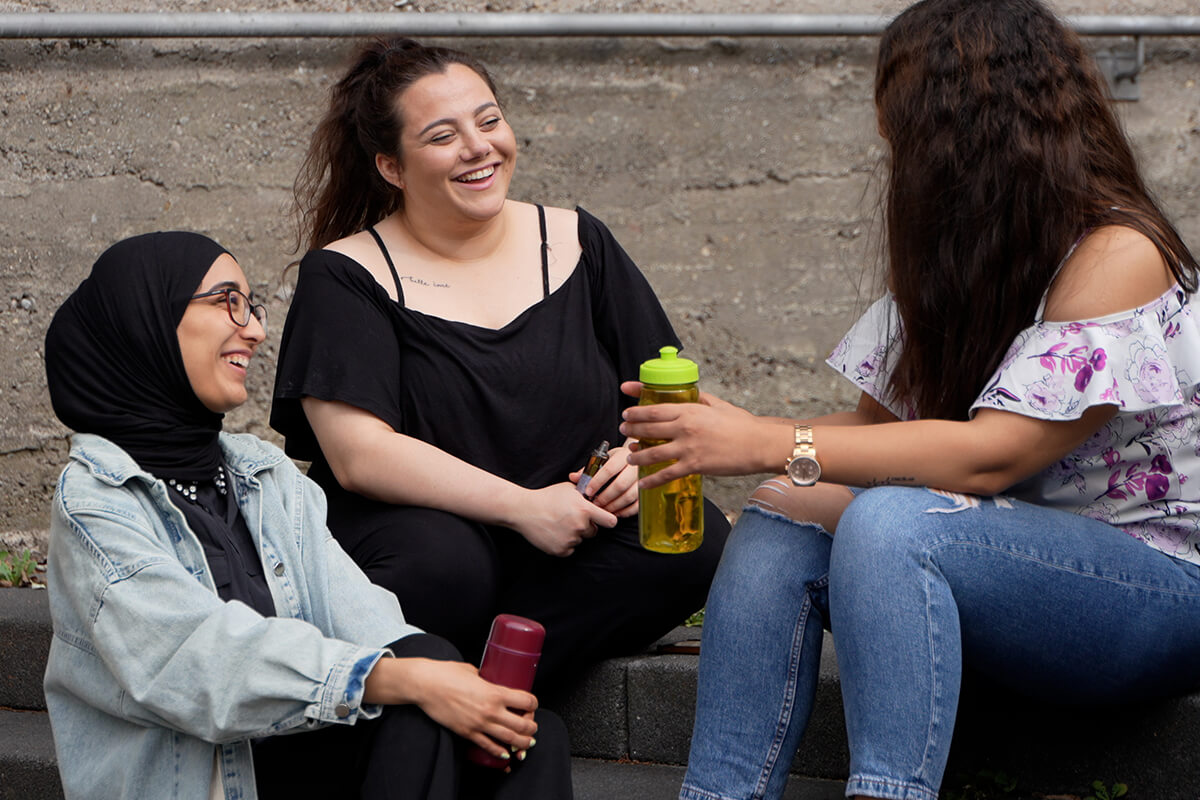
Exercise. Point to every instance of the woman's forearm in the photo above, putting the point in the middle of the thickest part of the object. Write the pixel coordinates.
(369, 458)
(983, 456)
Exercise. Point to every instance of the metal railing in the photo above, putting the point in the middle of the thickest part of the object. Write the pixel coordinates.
(25, 25)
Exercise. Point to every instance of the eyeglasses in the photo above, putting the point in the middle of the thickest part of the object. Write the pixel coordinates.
(239, 307)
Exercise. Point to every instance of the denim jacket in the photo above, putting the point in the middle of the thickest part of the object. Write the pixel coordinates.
(150, 673)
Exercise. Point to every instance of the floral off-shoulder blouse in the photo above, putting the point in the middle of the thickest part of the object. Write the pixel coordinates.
(1141, 471)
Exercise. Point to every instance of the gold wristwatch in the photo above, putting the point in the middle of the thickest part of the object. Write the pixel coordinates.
(803, 467)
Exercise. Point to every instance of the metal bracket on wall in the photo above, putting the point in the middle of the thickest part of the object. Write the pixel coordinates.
(1121, 68)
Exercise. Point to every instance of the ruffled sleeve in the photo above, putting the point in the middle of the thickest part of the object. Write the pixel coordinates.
(1136, 360)
(866, 355)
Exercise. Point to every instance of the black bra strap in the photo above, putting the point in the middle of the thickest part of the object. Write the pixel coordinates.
(545, 253)
(388, 258)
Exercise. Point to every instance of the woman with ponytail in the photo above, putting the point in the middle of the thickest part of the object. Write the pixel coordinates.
(450, 359)
(1027, 432)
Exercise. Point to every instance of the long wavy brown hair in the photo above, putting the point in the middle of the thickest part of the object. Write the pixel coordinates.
(1004, 151)
(338, 190)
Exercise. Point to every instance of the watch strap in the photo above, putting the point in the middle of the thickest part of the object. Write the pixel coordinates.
(803, 442)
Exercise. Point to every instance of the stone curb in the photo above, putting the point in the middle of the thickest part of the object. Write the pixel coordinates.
(28, 768)
(641, 708)
(24, 647)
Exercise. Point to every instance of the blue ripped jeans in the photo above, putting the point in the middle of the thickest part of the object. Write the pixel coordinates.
(914, 583)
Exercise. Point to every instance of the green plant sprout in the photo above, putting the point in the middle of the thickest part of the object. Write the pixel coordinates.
(1102, 792)
(17, 570)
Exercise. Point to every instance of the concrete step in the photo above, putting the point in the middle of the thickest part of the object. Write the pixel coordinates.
(28, 768)
(24, 646)
(631, 719)
(629, 780)
(641, 708)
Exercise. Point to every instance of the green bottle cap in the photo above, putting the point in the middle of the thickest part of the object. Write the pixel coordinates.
(669, 369)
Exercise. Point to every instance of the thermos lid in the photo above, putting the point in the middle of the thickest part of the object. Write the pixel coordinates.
(669, 369)
(518, 634)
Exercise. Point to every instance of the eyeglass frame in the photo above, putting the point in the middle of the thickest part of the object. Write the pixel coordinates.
(254, 309)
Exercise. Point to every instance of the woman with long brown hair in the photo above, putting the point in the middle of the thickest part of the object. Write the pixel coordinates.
(1027, 433)
(450, 359)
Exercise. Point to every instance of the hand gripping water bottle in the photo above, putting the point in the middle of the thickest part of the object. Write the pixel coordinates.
(510, 659)
(671, 517)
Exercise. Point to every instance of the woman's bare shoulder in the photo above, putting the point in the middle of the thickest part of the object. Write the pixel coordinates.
(1114, 269)
(362, 249)
(556, 218)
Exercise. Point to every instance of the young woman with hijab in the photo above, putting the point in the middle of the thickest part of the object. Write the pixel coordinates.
(201, 609)
(1029, 425)
(451, 358)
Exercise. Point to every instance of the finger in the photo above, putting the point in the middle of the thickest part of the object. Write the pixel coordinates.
(712, 400)
(506, 737)
(518, 731)
(659, 412)
(520, 703)
(599, 516)
(664, 475)
(663, 430)
(490, 745)
(626, 505)
(632, 388)
(659, 454)
(574, 477)
(602, 488)
(616, 488)
(617, 462)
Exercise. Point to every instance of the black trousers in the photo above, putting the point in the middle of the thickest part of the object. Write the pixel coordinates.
(453, 575)
(404, 755)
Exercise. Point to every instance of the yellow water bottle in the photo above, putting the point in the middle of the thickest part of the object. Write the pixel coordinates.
(671, 517)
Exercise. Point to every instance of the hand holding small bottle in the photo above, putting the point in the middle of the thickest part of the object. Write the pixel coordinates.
(612, 484)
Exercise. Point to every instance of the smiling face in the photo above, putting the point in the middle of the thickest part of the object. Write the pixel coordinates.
(457, 150)
(216, 352)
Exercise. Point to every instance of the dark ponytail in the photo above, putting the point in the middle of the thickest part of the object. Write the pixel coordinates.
(339, 191)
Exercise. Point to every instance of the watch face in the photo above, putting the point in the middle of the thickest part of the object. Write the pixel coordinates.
(804, 470)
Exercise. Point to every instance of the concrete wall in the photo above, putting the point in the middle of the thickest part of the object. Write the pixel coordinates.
(740, 174)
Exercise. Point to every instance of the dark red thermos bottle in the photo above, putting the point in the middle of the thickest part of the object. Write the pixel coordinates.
(510, 659)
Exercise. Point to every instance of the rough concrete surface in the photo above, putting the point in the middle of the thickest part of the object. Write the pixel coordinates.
(741, 174)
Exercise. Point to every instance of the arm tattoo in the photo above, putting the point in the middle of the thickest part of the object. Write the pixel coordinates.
(895, 480)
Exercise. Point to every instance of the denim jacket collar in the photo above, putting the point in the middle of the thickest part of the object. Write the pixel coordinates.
(110, 464)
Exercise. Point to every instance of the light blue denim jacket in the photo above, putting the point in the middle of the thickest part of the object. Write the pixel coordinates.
(150, 672)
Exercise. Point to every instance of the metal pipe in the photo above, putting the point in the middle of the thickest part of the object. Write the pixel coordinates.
(24, 25)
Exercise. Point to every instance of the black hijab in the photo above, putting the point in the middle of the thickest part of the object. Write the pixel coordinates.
(113, 362)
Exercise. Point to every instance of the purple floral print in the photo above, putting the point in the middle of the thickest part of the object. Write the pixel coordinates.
(1139, 471)
(1152, 378)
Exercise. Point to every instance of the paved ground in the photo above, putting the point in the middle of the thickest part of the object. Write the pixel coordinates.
(606, 780)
